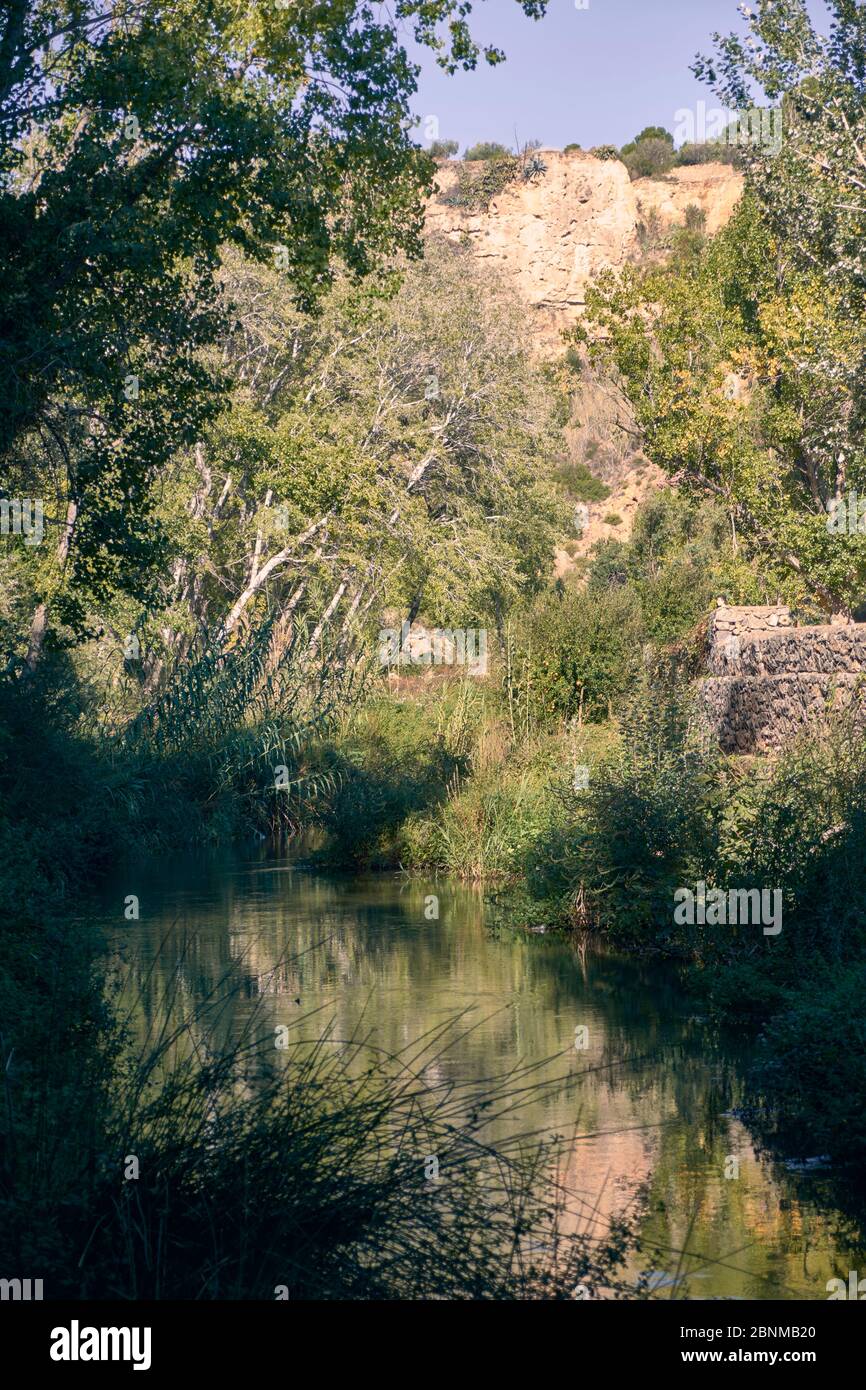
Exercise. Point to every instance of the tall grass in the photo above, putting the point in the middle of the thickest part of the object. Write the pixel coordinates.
(306, 1170)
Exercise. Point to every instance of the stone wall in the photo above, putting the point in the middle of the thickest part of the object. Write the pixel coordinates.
(768, 679)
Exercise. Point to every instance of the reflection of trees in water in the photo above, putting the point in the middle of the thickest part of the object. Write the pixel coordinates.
(644, 1104)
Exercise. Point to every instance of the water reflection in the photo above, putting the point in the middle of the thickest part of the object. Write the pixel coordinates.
(617, 1059)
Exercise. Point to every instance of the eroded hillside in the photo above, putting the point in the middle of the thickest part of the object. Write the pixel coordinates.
(548, 236)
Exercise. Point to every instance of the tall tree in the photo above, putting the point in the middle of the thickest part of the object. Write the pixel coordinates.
(136, 139)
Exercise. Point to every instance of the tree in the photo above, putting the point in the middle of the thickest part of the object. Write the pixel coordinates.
(736, 368)
(443, 149)
(744, 360)
(650, 132)
(396, 449)
(487, 149)
(648, 157)
(137, 139)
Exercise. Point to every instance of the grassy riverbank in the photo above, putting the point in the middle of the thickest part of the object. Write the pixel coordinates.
(461, 792)
(159, 1173)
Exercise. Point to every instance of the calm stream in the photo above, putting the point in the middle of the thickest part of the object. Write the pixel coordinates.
(648, 1100)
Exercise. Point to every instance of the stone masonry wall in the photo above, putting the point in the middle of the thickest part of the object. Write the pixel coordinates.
(768, 680)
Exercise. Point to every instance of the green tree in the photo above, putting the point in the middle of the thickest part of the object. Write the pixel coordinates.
(394, 450)
(743, 366)
(136, 139)
(648, 157)
(487, 149)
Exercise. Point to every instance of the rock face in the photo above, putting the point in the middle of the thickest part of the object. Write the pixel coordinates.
(770, 680)
(550, 236)
(714, 188)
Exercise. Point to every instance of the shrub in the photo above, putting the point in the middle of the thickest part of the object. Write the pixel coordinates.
(707, 152)
(695, 219)
(476, 191)
(443, 149)
(810, 1071)
(581, 483)
(582, 652)
(646, 823)
(487, 149)
(649, 158)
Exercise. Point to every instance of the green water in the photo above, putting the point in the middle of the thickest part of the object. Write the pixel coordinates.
(645, 1104)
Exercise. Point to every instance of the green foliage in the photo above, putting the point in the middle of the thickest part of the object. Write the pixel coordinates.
(810, 1071)
(487, 149)
(743, 358)
(153, 142)
(579, 482)
(494, 815)
(649, 132)
(395, 760)
(679, 558)
(648, 158)
(799, 825)
(604, 152)
(696, 219)
(443, 149)
(707, 152)
(646, 823)
(739, 376)
(582, 652)
(476, 191)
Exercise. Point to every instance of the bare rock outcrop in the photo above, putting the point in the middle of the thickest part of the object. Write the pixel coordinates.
(550, 235)
(714, 188)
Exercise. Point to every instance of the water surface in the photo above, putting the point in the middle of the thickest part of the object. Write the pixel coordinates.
(645, 1098)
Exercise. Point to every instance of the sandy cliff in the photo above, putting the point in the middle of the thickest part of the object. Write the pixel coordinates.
(548, 238)
(582, 215)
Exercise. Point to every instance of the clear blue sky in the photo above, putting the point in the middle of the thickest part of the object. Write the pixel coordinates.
(594, 76)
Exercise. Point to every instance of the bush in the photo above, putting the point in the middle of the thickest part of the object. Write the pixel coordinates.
(581, 483)
(582, 652)
(605, 152)
(695, 219)
(644, 825)
(707, 152)
(487, 149)
(443, 149)
(649, 158)
(800, 825)
(810, 1071)
(476, 191)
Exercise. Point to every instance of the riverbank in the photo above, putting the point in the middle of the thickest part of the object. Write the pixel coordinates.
(597, 829)
(176, 1162)
(605, 1049)
(588, 829)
